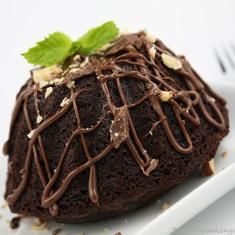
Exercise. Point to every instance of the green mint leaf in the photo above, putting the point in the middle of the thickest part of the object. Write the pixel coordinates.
(96, 38)
(53, 49)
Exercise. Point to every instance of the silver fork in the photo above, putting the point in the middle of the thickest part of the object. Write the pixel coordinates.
(225, 57)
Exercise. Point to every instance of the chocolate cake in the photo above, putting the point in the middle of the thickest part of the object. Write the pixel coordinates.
(107, 133)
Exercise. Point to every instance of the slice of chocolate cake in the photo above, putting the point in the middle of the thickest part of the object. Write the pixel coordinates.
(103, 134)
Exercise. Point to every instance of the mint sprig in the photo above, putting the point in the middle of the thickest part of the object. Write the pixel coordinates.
(96, 38)
(55, 48)
(52, 50)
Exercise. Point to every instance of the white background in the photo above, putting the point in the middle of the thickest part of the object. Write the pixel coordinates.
(190, 27)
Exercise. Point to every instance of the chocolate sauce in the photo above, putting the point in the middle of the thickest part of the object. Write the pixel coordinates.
(128, 49)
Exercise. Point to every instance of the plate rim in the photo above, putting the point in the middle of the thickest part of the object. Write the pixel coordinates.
(170, 221)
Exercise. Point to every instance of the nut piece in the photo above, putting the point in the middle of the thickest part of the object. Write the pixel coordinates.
(171, 61)
(46, 74)
(225, 154)
(56, 81)
(64, 102)
(165, 206)
(77, 58)
(74, 70)
(42, 84)
(31, 133)
(208, 168)
(152, 166)
(165, 95)
(119, 129)
(150, 37)
(39, 225)
(152, 52)
(70, 84)
(48, 91)
(39, 119)
(85, 62)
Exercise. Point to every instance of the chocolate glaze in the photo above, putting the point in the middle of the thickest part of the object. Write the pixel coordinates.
(107, 65)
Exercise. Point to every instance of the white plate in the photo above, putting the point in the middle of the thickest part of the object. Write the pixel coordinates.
(186, 200)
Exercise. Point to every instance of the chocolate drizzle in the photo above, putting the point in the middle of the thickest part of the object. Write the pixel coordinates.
(131, 50)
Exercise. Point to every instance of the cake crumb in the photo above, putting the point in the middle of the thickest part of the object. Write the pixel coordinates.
(209, 168)
(225, 154)
(165, 206)
(38, 224)
(64, 102)
(48, 92)
(56, 231)
(15, 222)
(171, 61)
(4, 205)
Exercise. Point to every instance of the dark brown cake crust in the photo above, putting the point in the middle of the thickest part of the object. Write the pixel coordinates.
(123, 154)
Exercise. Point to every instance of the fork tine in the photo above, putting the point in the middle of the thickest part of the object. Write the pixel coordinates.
(220, 61)
(229, 58)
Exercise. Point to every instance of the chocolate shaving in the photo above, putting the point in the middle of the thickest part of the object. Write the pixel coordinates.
(119, 129)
